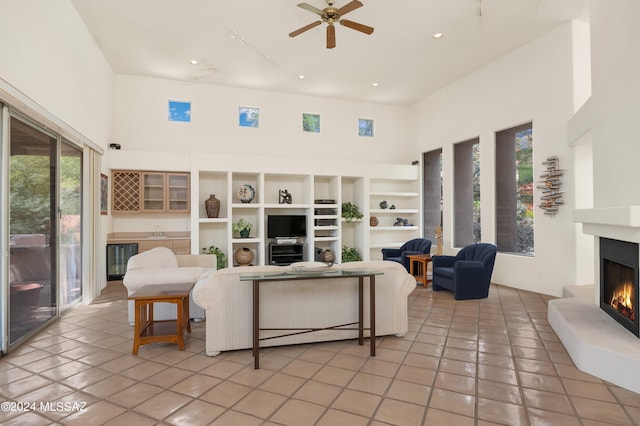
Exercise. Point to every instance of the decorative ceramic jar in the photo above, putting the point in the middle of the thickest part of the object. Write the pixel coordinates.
(212, 206)
(246, 193)
(373, 221)
(328, 256)
(383, 204)
(244, 233)
(243, 256)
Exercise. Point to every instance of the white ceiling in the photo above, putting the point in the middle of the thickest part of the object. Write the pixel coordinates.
(245, 43)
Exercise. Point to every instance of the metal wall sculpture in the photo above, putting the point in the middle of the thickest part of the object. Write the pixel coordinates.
(551, 195)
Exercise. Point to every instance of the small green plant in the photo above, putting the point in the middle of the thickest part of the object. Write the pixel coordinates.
(350, 254)
(221, 259)
(242, 226)
(351, 212)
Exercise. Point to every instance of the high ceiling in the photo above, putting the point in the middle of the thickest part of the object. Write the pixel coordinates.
(245, 43)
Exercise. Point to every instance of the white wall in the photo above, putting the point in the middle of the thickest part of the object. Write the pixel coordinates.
(533, 83)
(48, 55)
(141, 123)
(615, 102)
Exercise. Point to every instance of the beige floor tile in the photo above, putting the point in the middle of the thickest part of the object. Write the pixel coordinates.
(282, 384)
(453, 402)
(195, 385)
(12, 391)
(497, 374)
(196, 362)
(234, 418)
(222, 369)
(95, 414)
(548, 401)
(399, 413)
(317, 355)
(109, 386)
(304, 369)
(318, 393)
(168, 377)
(588, 390)
(226, 394)
(535, 366)
(455, 383)
(421, 376)
(501, 412)
(349, 362)
(370, 383)
(130, 418)
(499, 391)
(438, 417)
(134, 395)
(144, 370)
(542, 417)
(260, 403)
(540, 382)
(600, 411)
(334, 376)
(195, 413)
(422, 361)
(356, 402)
(409, 392)
(249, 376)
(458, 367)
(296, 412)
(341, 418)
(162, 405)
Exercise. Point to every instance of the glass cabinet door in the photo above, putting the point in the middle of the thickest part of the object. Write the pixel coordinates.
(177, 192)
(153, 192)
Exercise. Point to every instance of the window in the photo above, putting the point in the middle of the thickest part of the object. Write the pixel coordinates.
(466, 156)
(432, 199)
(514, 190)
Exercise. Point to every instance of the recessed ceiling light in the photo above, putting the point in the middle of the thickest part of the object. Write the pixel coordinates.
(194, 62)
(301, 77)
(375, 84)
(438, 35)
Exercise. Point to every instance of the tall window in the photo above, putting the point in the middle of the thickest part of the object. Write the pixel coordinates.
(466, 193)
(432, 199)
(514, 190)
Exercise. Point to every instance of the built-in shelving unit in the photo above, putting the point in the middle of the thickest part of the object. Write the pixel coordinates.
(318, 196)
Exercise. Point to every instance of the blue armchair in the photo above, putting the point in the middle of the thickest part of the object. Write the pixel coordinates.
(415, 246)
(467, 274)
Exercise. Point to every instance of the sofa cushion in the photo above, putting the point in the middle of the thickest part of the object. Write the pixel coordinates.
(159, 257)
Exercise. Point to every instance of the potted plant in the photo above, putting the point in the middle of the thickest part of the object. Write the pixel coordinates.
(350, 254)
(351, 212)
(242, 227)
(221, 259)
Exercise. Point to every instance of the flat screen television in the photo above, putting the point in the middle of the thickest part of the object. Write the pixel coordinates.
(286, 226)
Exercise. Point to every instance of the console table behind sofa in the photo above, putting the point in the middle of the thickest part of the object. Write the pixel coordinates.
(228, 305)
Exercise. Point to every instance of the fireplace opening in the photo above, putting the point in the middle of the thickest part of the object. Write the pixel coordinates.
(619, 282)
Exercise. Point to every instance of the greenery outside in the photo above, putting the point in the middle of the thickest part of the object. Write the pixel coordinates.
(524, 192)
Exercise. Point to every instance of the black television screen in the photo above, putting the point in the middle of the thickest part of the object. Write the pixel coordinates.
(286, 226)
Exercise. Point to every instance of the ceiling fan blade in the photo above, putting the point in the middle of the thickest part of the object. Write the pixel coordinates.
(356, 26)
(331, 36)
(313, 9)
(349, 7)
(305, 28)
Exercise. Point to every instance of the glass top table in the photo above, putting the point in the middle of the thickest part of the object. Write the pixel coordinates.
(293, 275)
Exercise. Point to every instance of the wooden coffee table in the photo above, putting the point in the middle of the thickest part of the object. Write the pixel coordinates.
(420, 273)
(146, 330)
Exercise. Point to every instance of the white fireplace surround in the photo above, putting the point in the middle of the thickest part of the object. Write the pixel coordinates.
(597, 343)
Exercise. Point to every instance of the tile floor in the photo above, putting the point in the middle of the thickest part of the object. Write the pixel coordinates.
(485, 362)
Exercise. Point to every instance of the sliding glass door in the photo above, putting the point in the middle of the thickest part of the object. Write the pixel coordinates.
(32, 228)
(70, 260)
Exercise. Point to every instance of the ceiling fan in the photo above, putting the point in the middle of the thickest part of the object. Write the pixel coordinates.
(332, 15)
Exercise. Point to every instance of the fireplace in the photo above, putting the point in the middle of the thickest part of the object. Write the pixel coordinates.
(619, 282)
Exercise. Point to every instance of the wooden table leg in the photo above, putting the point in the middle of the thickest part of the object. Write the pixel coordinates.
(137, 325)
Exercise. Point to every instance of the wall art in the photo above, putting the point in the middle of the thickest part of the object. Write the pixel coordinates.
(551, 195)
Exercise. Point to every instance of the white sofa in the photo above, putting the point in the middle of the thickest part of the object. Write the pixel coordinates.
(161, 266)
(308, 303)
